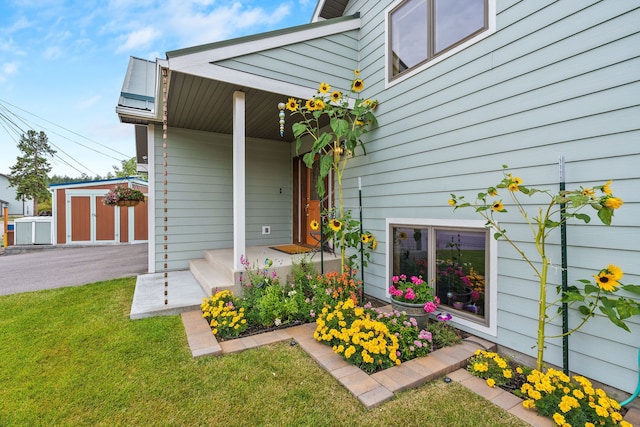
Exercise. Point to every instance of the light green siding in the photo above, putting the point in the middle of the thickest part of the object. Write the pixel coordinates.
(555, 79)
(329, 59)
(200, 202)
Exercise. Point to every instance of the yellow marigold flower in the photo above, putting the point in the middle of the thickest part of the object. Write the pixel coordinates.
(602, 412)
(529, 404)
(507, 373)
(498, 206)
(613, 202)
(314, 224)
(513, 187)
(324, 88)
(519, 370)
(336, 225)
(357, 85)
(624, 423)
(292, 104)
(452, 202)
(491, 382)
(578, 394)
(606, 188)
(492, 191)
(616, 417)
(336, 96)
(588, 424)
(606, 281)
(558, 418)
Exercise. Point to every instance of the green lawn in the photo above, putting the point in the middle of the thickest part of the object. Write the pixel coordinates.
(71, 356)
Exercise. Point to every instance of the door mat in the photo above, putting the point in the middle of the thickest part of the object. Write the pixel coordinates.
(292, 249)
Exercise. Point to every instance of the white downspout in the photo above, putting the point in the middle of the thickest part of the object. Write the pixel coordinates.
(239, 166)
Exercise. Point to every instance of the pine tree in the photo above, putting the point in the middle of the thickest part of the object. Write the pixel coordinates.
(29, 174)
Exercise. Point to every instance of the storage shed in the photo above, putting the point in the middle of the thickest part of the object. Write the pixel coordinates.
(80, 217)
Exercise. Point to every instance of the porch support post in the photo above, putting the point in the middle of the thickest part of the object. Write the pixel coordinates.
(239, 167)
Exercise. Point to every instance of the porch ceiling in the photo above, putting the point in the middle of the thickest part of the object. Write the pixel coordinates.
(206, 105)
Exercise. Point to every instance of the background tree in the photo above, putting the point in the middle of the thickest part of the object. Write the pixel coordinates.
(127, 168)
(30, 173)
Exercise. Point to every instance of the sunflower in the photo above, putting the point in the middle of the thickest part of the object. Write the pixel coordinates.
(310, 104)
(292, 104)
(588, 192)
(336, 96)
(403, 235)
(513, 186)
(319, 104)
(314, 224)
(613, 202)
(615, 271)
(356, 73)
(374, 244)
(366, 238)
(324, 88)
(606, 188)
(336, 225)
(451, 202)
(498, 206)
(517, 180)
(492, 191)
(606, 280)
(357, 85)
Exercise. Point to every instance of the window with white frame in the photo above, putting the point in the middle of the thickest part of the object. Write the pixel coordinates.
(455, 257)
(422, 30)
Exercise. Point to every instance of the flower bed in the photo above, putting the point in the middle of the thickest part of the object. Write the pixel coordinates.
(569, 401)
(365, 336)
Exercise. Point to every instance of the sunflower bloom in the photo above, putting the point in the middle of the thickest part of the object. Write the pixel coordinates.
(336, 225)
(513, 187)
(292, 104)
(357, 85)
(356, 73)
(613, 202)
(314, 225)
(336, 96)
(324, 88)
(452, 202)
(310, 104)
(319, 104)
(606, 188)
(615, 271)
(588, 192)
(366, 238)
(497, 206)
(374, 244)
(492, 191)
(606, 281)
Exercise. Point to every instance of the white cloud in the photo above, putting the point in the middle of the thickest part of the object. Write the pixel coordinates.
(52, 52)
(138, 39)
(18, 25)
(8, 69)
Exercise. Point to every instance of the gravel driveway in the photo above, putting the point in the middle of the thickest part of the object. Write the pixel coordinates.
(70, 266)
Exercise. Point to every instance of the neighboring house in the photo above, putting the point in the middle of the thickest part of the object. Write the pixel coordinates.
(80, 217)
(510, 82)
(8, 199)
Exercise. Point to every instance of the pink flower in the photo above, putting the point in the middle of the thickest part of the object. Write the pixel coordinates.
(410, 294)
(418, 343)
(416, 280)
(403, 277)
(395, 279)
(430, 307)
(475, 295)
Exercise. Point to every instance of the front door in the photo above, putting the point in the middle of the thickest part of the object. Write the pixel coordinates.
(312, 204)
(307, 203)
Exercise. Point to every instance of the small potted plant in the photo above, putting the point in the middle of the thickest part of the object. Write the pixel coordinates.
(123, 196)
(414, 296)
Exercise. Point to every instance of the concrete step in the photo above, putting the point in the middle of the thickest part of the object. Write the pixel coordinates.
(210, 278)
(221, 261)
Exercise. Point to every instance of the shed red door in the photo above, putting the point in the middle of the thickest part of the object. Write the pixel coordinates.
(105, 222)
(81, 219)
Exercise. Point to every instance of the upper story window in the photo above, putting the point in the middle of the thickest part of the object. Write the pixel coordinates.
(423, 30)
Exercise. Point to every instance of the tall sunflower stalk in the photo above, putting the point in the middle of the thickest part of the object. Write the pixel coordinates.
(348, 120)
(607, 280)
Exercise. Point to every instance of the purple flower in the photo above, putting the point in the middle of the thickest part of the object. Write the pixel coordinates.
(418, 343)
(425, 335)
(444, 317)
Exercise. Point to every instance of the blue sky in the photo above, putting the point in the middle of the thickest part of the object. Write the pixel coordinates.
(62, 64)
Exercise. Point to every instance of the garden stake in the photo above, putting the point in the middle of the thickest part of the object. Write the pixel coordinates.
(565, 305)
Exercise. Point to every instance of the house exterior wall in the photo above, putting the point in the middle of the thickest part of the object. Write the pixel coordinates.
(200, 199)
(555, 79)
(8, 196)
(305, 63)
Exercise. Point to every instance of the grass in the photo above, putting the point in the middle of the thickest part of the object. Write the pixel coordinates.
(72, 356)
